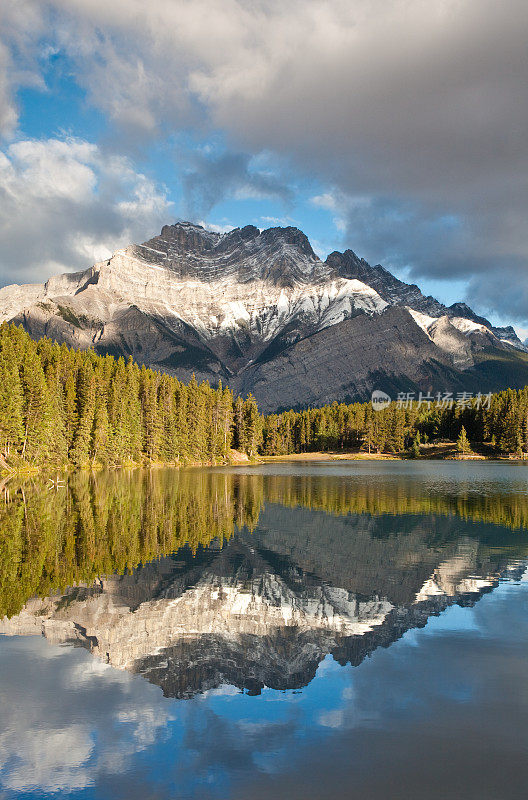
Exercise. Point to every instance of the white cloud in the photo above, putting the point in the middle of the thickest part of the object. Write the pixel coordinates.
(281, 222)
(223, 227)
(336, 202)
(22, 23)
(326, 201)
(421, 108)
(332, 719)
(51, 760)
(51, 169)
(65, 204)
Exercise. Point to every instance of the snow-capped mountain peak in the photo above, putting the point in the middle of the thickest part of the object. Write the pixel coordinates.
(261, 310)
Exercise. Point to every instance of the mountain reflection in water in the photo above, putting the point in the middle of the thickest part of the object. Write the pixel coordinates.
(197, 579)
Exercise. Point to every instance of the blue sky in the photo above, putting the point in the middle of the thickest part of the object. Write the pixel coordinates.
(395, 130)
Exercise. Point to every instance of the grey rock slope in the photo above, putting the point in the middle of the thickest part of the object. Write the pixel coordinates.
(259, 310)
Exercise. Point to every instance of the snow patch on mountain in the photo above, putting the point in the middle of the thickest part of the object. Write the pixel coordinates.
(468, 326)
(423, 320)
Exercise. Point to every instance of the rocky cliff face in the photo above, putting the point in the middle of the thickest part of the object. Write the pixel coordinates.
(261, 311)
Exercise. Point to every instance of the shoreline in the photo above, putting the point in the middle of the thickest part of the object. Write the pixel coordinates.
(237, 459)
(336, 455)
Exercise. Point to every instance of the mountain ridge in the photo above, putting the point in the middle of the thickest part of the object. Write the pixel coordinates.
(261, 311)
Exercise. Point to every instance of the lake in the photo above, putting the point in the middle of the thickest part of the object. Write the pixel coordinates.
(300, 631)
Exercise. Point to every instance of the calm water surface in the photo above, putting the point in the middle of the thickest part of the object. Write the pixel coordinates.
(339, 630)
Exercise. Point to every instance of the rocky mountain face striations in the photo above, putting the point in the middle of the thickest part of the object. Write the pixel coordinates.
(260, 311)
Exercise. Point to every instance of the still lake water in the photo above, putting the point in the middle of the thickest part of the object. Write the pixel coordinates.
(343, 630)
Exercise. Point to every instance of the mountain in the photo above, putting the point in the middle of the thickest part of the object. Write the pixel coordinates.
(260, 311)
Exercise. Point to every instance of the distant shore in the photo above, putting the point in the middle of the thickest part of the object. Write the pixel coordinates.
(435, 452)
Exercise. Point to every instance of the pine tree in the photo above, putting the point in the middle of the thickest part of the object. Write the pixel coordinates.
(463, 445)
(37, 417)
(57, 447)
(396, 429)
(133, 426)
(271, 435)
(101, 441)
(70, 398)
(252, 427)
(11, 409)
(151, 419)
(226, 419)
(369, 439)
(239, 433)
(181, 423)
(86, 395)
(197, 416)
(414, 447)
(169, 445)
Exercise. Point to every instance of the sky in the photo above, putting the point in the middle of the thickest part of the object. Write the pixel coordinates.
(396, 128)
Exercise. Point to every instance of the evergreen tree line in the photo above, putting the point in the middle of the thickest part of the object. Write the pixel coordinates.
(501, 424)
(62, 406)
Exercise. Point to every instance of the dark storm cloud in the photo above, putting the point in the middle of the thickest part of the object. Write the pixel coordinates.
(399, 104)
(214, 178)
(420, 110)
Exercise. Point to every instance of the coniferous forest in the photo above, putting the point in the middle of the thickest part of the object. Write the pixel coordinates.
(499, 427)
(63, 407)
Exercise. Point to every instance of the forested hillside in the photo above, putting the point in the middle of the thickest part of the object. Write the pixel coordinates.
(63, 407)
